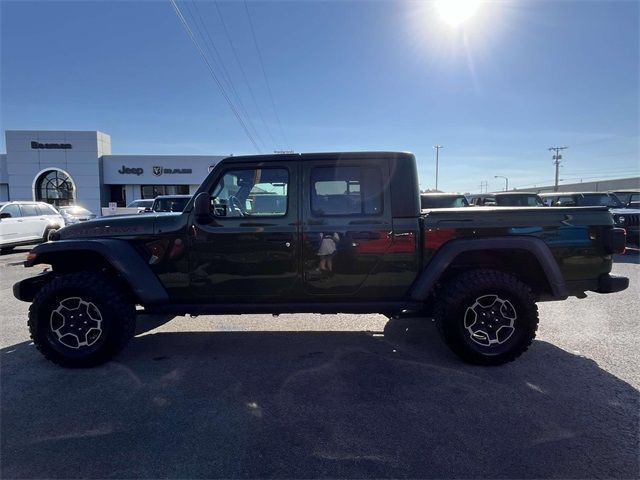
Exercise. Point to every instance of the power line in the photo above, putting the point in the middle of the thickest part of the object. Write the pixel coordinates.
(264, 72)
(218, 61)
(187, 28)
(242, 71)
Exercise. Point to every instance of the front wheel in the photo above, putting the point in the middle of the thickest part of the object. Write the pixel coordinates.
(81, 319)
(48, 234)
(487, 317)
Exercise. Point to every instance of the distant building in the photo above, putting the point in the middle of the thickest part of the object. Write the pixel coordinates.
(590, 186)
(69, 167)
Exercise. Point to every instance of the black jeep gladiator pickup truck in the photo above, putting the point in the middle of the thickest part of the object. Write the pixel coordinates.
(322, 232)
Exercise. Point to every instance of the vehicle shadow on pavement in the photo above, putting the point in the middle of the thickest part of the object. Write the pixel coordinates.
(315, 404)
(17, 250)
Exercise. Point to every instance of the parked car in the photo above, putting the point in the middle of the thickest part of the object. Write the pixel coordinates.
(75, 213)
(321, 233)
(581, 199)
(508, 199)
(442, 200)
(629, 198)
(25, 223)
(624, 217)
(143, 204)
(170, 203)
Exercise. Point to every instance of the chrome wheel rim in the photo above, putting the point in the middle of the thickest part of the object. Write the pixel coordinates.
(77, 323)
(490, 320)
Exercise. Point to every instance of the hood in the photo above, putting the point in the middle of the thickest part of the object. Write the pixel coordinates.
(625, 211)
(111, 226)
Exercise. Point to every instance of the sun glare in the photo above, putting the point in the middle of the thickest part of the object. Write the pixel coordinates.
(456, 12)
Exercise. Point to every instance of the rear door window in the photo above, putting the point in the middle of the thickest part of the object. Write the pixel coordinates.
(29, 210)
(346, 191)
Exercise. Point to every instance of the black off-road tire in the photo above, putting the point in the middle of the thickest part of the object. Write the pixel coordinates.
(468, 299)
(103, 339)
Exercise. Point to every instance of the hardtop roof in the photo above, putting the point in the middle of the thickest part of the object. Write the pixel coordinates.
(549, 194)
(279, 157)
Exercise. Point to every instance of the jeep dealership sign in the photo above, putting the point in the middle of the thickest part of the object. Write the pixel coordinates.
(157, 171)
(130, 171)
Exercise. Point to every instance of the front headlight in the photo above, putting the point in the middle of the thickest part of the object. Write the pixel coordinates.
(620, 219)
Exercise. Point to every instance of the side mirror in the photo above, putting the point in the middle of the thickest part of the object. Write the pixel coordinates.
(202, 208)
(5, 215)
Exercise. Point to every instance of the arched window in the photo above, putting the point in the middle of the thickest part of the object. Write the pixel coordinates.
(54, 187)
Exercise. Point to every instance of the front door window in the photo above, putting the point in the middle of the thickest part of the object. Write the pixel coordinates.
(251, 192)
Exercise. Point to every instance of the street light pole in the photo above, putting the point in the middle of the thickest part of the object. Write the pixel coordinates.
(437, 147)
(506, 182)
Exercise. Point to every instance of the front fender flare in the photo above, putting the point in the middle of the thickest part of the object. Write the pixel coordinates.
(119, 254)
(448, 252)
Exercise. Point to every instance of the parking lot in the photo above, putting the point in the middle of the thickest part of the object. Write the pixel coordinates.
(327, 396)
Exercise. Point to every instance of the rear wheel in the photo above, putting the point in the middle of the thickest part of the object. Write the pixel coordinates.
(81, 319)
(487, 317)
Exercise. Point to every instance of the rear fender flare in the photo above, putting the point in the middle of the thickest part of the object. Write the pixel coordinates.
(446, 255)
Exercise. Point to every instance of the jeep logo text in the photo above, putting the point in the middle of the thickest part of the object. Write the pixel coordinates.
(130, 171)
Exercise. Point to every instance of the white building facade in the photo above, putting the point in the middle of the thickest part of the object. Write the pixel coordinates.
(76, 167)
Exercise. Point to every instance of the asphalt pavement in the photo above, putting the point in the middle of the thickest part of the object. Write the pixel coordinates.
(327, 396)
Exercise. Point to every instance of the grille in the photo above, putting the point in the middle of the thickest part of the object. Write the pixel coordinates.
(632, 220)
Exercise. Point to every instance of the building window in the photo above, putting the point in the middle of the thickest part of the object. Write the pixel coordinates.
(55, 187)
(152, 191)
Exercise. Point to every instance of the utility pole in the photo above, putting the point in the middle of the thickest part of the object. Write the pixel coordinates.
(484, 184)
(437, 147)
(506, 180)
(556, 161)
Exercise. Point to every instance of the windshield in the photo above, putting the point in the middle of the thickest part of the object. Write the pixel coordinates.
(519, 201)
(626, 197)
(175, 204)
(443, 201)
(140, 204)
(599, 199)
(75, 211)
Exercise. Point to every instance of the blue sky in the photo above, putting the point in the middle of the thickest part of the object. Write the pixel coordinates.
(496, 92)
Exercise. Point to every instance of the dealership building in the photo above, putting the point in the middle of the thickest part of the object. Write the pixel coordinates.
(76, 167)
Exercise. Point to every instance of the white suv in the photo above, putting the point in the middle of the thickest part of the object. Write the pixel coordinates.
(23, 223)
